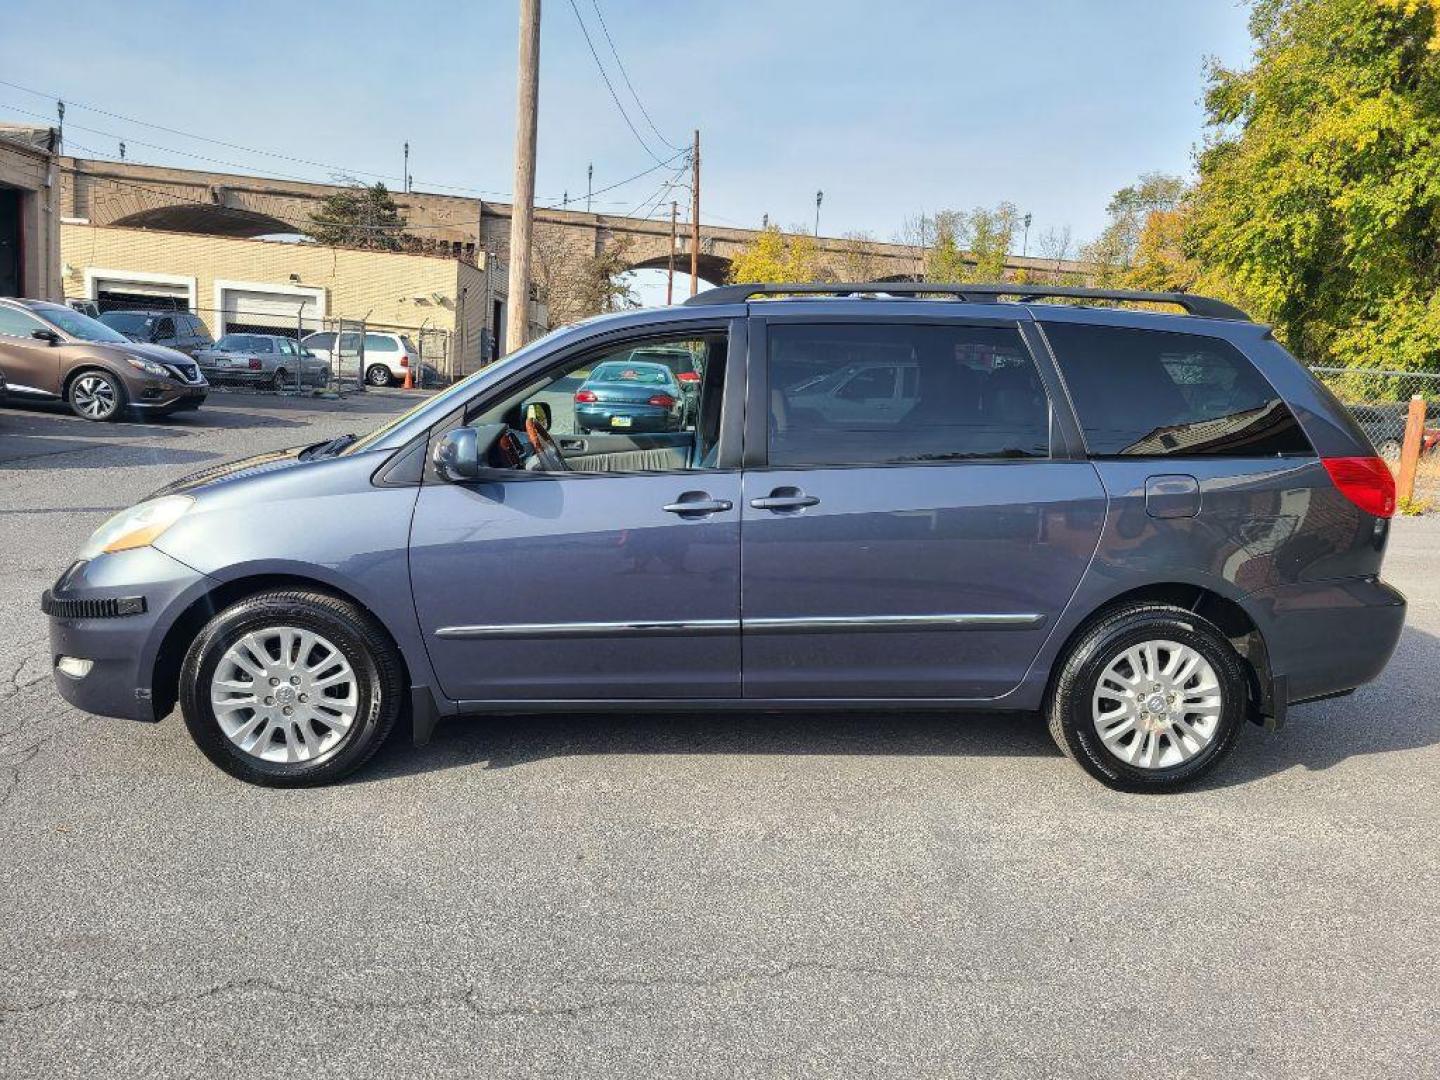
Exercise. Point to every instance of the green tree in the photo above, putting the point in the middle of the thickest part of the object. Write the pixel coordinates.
(1112, 253)
(777, 257)
(1319, 190)
(970, 246)
(359, 217)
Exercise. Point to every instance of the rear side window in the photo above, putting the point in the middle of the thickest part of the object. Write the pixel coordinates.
(380, 343)
(1152, 392)
(871, 394)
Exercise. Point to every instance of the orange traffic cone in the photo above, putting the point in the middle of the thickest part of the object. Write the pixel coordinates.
(409, 379)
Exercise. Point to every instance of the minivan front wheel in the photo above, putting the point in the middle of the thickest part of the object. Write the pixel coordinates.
(290, 689)
(1150, 698)
(97, 395)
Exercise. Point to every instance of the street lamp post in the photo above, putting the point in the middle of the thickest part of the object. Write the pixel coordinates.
(819, 198)
(1025, 246)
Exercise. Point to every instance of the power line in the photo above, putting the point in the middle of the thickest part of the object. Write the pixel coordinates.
(610, 86)
(621, 183)
(626, 76)
(329, 167)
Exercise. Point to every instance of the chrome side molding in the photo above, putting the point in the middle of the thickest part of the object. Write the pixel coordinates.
(701, 627)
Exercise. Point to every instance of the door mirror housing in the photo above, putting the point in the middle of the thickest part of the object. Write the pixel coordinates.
(539, 411)
(46, 335)
(456, 456)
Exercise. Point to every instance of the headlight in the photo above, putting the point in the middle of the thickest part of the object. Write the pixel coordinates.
(150, 367)
(139, 526)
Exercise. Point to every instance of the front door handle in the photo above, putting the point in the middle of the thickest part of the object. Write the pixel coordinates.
(697, 504)
(785, 498)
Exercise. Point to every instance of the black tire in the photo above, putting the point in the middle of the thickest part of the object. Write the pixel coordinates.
(362, 642)
(278, 381)
(1389, 450)
(379, 375)
(1069, 709)
(93, 385)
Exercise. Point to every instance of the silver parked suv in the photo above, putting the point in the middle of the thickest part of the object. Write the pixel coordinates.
(1151, 528)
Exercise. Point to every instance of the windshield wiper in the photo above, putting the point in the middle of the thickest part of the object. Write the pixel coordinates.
(329, 448)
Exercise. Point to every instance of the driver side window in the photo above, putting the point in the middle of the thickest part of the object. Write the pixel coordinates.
(651, 405)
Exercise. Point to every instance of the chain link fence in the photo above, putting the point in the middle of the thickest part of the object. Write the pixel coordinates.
(338, 354)
(1379, 401)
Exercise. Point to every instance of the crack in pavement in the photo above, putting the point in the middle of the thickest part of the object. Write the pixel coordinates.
(470, 998)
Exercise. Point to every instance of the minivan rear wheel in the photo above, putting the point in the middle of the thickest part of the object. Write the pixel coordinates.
(97, 395)
(1149, 698)
(379, 375)
(290, 689)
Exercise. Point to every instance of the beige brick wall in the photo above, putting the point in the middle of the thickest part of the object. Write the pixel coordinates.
(384, 287)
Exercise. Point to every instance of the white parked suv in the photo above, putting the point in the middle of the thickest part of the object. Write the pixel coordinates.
(387, 356)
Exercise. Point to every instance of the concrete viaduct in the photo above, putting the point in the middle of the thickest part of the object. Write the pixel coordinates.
(195, 201)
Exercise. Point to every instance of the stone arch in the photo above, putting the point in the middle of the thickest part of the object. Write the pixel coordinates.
(713, 268)
(202, 218)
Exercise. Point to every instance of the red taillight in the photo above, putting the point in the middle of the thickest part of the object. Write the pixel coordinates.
(404, 360)
(688, 376)
(1365, 481)
(665, 401)
(585, 395)
(255, 364)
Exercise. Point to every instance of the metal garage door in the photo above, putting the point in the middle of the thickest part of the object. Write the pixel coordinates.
(255, 311)
(121, 294)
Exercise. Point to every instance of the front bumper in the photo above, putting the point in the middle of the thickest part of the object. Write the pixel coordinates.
(162, 395)
(114, 611)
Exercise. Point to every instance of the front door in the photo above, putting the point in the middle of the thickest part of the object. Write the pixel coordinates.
(919, 552)
(615, 576)
(10, 245)
(31, 366)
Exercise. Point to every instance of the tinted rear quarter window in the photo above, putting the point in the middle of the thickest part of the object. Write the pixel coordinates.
(873, 394)
(1154, 392)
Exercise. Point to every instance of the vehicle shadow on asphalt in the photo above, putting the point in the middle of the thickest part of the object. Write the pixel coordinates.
(1380, 718)
(502, 742)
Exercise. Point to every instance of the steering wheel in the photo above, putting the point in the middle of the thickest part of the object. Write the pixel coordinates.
(551, 460)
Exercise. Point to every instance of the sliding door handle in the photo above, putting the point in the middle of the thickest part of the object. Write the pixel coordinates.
(697, 504)
(785, 499)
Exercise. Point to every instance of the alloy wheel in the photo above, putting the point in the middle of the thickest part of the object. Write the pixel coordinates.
(94, 396)
(1157, 704)
(284, 694)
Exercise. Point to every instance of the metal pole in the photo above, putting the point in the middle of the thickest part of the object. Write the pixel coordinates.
(589, 184)
(1025, 248)
(405, 173)
(695, 215)
(819, 198)
(522, 212)
(670, 269)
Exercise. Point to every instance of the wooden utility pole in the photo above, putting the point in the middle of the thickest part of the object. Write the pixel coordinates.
(522, 212)
(695, 215)
(1410, 450)
(670, 270)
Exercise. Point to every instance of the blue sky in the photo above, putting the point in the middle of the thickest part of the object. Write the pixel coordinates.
(890, 108)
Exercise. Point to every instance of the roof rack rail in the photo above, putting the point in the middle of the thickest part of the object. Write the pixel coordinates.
(1203, 306)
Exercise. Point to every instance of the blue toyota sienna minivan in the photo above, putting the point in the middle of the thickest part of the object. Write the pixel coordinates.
(1150, 527)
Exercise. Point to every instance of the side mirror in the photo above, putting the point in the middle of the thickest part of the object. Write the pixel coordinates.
(539, 411)
(457, 455)
(46, 335)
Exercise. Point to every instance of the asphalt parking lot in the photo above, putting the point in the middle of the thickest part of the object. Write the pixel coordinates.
(691, 896)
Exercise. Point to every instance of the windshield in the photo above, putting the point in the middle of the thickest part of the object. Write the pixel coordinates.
(127, 322)
(459, 391)
(79, 326)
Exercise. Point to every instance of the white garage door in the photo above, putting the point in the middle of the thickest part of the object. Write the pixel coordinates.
(258, 311)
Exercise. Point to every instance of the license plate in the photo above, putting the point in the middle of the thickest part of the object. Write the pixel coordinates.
(620, 421)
